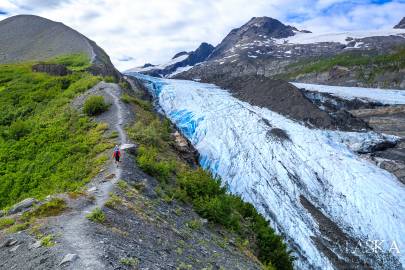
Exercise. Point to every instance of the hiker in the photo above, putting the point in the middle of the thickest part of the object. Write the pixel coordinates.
(117, 154)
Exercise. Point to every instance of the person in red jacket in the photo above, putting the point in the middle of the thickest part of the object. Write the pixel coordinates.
(117, 154)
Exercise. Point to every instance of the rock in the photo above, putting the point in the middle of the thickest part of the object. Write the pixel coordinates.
(69, 258)
(92, 189)
(23, 205)
(2, 213)
(37, 244)
(51, 69)
(110, 176)
(338, 72)
(9, 242)
(14, 248)
(181, 142)
(129, 147)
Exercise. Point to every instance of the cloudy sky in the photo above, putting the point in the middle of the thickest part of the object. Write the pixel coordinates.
(137, 31)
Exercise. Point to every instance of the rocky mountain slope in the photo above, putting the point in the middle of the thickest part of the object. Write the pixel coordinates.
(28, 37)
(180, 62)
(401, 24)
(265, 46)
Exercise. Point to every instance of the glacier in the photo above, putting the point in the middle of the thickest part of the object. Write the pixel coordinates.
(295, 176)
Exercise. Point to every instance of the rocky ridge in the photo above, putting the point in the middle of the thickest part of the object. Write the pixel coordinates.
(180, 62)
(265, 46)
(30, 38)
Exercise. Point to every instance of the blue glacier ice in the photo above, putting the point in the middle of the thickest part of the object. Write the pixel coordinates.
(236, 142)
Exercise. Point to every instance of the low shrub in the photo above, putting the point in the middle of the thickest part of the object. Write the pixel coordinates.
(6, 222)
(148, 161)
(95, 105)
(96, 215)
(52, 208)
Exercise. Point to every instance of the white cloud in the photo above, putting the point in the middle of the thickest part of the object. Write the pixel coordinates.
(154, 30)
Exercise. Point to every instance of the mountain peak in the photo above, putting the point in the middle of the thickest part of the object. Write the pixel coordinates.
(179, 54)
(401, 24)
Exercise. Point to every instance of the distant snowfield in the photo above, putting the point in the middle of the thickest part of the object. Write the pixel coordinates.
(384, 96)
(236, 142)
(308, 38)
(161, 66)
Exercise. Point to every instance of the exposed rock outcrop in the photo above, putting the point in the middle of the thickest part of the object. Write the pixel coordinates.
(51, 69)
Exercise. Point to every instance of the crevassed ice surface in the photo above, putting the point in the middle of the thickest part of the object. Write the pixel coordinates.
(235, 142)
(384, 96)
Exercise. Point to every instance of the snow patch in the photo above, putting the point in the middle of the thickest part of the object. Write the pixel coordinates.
(384, 96)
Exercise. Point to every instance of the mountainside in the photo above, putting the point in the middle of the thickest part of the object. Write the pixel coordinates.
(265, 46)
(66, 204)
(401, 24)
(180, 62)
(32, 38)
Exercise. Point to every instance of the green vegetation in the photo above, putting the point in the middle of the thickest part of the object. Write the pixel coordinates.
(45, 145)
(96, 215)
(194, 224)
(94, 105)
(178, 180)
(367, 65)
(114, 201)
(6, 222)
(130, 261)
(18, 227)
(47, 241)
(74, 62)
(52, 208)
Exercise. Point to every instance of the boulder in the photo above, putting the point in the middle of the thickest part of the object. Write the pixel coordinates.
(51, 69)
(69, 258)
(9, 243)
(129, 148)
(23, 205)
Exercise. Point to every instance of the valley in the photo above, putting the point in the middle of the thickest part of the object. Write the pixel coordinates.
(278, 148)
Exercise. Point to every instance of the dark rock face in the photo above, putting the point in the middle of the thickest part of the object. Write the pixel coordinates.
(261, 47)
(51, 69)
(179, 54)
(401, 24)
(28, 37)
(193, 58)
(148, 65)
(257, 26)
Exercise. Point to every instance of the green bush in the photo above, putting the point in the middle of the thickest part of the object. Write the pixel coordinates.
(6, 222)
(94, 105)
(19, 129)
(96, 215)
(52, 208)
(148, 161)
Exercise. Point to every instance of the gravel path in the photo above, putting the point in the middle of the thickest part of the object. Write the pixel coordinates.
(76, 233)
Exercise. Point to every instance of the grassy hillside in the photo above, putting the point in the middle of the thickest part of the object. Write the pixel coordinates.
(179, 181)
(45, 145)
(366, 65)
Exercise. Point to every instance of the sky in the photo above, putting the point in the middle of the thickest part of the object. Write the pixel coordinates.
(134, 32)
